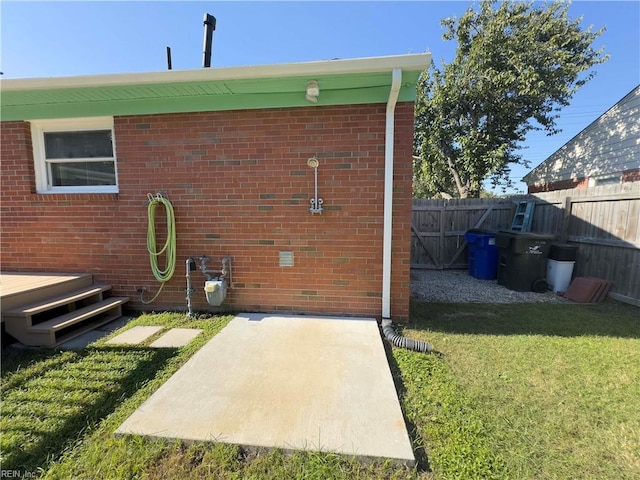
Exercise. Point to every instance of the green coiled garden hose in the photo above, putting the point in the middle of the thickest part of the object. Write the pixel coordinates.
(163, 275)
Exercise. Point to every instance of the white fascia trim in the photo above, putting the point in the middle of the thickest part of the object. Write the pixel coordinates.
(396, 80)
(410, 62)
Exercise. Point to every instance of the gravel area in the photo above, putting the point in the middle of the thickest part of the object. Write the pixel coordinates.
(457, 286)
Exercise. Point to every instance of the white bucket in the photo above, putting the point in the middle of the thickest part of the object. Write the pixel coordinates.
(559, 275)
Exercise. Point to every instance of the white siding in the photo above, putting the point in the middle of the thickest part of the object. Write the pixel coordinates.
(610, 144)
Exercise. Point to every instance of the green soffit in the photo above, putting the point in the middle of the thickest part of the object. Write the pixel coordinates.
(142, 94)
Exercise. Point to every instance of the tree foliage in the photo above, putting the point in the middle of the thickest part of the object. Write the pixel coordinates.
(516, 65)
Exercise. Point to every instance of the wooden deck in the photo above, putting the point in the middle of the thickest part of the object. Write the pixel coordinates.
(20, 288)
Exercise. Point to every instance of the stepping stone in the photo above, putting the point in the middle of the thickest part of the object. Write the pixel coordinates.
(176, 337)
(134, 336)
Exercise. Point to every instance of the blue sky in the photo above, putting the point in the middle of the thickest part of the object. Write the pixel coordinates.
(50, 39)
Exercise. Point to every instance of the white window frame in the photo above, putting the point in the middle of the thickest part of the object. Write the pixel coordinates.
(605, 179)
(38, 130)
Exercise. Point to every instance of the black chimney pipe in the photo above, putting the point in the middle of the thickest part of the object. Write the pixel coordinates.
(209, 27)
(169, 58)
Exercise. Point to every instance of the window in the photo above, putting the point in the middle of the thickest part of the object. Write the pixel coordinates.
(609, 179)
(74, 155)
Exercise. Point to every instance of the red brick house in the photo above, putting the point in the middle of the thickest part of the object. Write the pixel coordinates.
(229, 147)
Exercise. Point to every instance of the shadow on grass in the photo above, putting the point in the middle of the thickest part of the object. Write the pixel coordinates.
(417, 442)
(54, 396)
(609, 319)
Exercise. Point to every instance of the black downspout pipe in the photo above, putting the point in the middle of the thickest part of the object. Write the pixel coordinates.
(209, 27)
(404, 342)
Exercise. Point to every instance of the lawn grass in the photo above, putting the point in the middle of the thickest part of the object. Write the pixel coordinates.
(60, 409)
(52, 399)
(548, 391)
(514, 391)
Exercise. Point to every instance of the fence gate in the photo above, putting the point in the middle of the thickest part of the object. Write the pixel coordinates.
(438, 228)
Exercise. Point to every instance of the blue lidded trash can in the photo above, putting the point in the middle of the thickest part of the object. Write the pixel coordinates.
(483, 254)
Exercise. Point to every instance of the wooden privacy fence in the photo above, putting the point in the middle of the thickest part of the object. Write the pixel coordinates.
(438, 228)
(603, 221)
(605, 224)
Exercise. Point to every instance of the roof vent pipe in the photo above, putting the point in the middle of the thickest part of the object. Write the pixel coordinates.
(209, 27)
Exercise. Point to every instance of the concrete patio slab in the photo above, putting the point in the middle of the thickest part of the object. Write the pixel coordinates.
(134, 336)
(176, 338)
(292, 382)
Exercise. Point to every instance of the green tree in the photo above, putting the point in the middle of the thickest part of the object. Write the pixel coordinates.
(516, 65)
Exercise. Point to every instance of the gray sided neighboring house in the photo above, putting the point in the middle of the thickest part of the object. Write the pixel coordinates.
(605, 152)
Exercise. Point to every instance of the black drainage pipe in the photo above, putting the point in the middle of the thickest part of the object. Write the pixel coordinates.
(403, 342)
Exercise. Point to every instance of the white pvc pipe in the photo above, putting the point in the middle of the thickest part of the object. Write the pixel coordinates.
(396, 79)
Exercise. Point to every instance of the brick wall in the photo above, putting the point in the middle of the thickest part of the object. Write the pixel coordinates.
(561, 185)
(631, 175)
(240, 186)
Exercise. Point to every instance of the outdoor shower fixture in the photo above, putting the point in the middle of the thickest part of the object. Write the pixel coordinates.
(316, 203)
(217, 281)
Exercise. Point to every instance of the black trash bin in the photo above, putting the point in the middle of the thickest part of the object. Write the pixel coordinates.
(522, 260)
